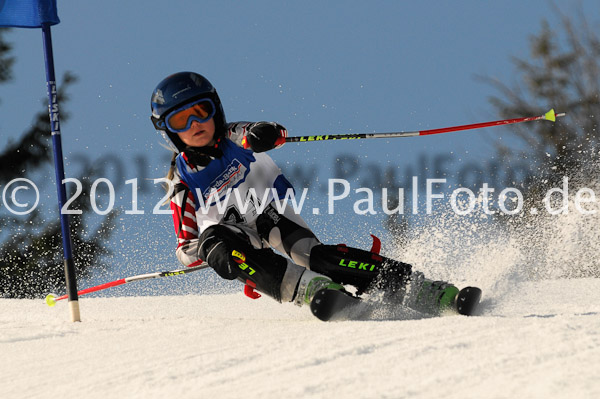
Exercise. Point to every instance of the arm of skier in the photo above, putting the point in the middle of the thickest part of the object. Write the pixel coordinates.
(186, 227)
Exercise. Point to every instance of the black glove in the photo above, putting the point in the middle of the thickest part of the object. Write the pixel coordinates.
(264, 136)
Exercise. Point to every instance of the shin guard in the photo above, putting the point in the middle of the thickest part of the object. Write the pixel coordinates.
(365, 270)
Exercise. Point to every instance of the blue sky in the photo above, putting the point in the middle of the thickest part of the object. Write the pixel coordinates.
(317, 67)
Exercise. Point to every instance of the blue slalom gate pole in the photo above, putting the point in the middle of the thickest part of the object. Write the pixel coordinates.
(60, 174)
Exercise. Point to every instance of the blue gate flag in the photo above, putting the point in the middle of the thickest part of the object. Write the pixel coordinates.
(28, 13)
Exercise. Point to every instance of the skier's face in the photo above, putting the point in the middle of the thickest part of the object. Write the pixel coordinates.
(199, 134)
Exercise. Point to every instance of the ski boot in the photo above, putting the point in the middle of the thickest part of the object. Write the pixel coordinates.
(310, 283)
(328, 300)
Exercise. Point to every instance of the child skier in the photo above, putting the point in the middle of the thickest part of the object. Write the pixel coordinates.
(211, 158)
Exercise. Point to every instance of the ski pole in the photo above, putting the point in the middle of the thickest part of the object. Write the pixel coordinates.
(549, 116)
(51, 299)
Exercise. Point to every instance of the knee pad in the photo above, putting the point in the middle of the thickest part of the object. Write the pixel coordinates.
(232, 256)
(216, 245)
(362, 269)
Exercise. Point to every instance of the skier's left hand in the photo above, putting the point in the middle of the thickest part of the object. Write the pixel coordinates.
(264, 136)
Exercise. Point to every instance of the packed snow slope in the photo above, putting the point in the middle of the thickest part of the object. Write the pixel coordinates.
(536, 335)
(538, 339)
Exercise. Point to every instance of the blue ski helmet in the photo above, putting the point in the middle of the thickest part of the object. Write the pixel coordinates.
(175, 91)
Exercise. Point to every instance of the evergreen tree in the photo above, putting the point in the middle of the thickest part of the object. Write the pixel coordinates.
(31, 255)
(563, 72)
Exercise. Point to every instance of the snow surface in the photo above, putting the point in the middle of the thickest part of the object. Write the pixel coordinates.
(537, 334)
(538, 339)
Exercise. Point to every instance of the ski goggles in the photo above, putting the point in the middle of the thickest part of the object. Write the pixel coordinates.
(180, 119)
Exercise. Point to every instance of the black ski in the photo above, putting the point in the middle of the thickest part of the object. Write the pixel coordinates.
(329, 305)
(467, 300)
(335, 305)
